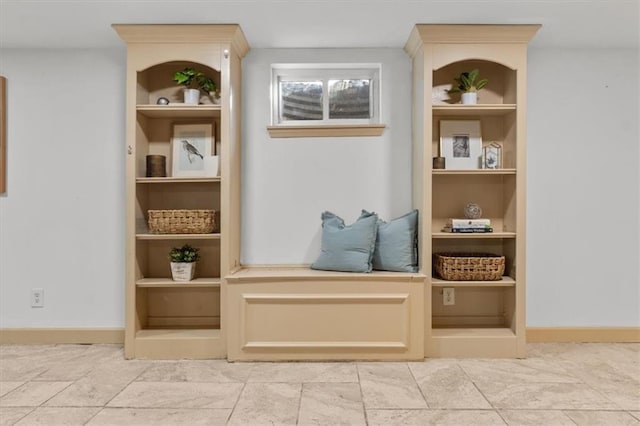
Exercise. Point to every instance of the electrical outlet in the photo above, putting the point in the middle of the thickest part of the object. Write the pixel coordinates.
(37, 298)
(448, 296)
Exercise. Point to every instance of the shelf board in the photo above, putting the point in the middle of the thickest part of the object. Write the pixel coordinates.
(335, 130)
(489, 235)
(144, 236)
(178, 334)
(169, 283)
(504, 282)
(179, 111)
(474, 172)
(264, 274)
(472, 332)
(456, 110)
(177, 179)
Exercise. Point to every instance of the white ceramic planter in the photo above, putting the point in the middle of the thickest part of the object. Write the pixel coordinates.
(191, 96)
(470, 98)
(182, 271)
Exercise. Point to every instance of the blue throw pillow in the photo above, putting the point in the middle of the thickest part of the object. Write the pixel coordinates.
(397, 244)
(347, 248)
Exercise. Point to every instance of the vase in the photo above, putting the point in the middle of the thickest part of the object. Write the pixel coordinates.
(183, 271)
(156, 166)
(191, 96)
(470, 98)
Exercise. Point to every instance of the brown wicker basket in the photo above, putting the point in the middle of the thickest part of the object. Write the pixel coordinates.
(182, 221)
(469, 266)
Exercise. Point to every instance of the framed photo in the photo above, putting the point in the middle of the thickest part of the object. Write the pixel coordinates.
(492, 156)
(461, 144)
(190, 145)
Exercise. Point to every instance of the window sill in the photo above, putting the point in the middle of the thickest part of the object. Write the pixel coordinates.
(324, 131)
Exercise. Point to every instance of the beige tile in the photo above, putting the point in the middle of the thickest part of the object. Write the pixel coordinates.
(32, 394)
(177, 395)
(20, 370)
(433, 417)
(160, 417)
(6, 387)
(389, 385)
(197, 371)
(516, 371)
(267, 403)
(76, 365)
(44, 354)
(10, 415)
(98, 387)
(331, 403)
(445, 385)
(585, 352)
(635, 414)
(535, 418)
(611, 382)
(304, 372)
(87, 393)
(604, 418)
(551, 396)
(58, 416)
(23, 363)
(626, 395)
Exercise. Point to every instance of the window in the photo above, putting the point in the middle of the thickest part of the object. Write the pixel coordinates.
(339, 95)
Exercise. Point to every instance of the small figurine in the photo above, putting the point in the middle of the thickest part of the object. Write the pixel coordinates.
(472, 211)
(162, 101)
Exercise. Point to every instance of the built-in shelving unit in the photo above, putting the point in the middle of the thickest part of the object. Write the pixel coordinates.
(488, 317)
(167, 319)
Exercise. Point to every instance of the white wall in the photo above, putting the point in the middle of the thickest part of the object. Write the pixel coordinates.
(62, 219)
(65, 205)
(583, 188)
(288, 183)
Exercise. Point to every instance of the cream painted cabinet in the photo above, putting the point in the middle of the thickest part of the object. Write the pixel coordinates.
(167, 319)
(487, 318)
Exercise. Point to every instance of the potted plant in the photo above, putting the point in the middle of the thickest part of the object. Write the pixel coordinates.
(189, 78)
(468, 86)
(183, 262)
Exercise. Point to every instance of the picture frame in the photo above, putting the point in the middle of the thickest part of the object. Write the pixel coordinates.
(492, 156)
(3, 135)
(440, 94)
(190, 145)
(461, 144)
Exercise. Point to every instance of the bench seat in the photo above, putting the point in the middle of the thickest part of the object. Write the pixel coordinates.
(296, 313)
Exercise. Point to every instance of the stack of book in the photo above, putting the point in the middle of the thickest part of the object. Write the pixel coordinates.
(468, 226)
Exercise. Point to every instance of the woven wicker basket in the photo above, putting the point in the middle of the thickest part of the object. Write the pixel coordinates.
(469, 266)
(182, 221)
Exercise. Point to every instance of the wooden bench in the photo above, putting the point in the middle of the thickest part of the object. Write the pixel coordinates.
(296, 313)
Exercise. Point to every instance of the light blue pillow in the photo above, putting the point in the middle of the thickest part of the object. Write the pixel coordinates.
(397, 244)
(347, 248)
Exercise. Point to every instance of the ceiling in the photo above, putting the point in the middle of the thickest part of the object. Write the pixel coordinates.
(317, 23)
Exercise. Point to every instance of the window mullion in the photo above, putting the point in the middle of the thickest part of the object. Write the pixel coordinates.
(325, 99)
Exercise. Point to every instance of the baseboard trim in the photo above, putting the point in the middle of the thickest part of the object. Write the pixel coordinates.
(583, 334)
(48, 336)
(43, 336)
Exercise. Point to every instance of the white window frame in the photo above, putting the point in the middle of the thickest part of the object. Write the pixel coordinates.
(324, 72)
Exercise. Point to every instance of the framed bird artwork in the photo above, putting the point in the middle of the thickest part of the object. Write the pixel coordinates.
(190, 145)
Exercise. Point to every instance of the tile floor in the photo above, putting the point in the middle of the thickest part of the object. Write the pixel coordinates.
(558, 384)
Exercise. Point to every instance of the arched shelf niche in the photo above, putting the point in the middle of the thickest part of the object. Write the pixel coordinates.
(501, 88)
(156, 81)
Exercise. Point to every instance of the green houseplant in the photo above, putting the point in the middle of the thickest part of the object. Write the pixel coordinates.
(194, 82)
(183, 262)
(468, 84)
